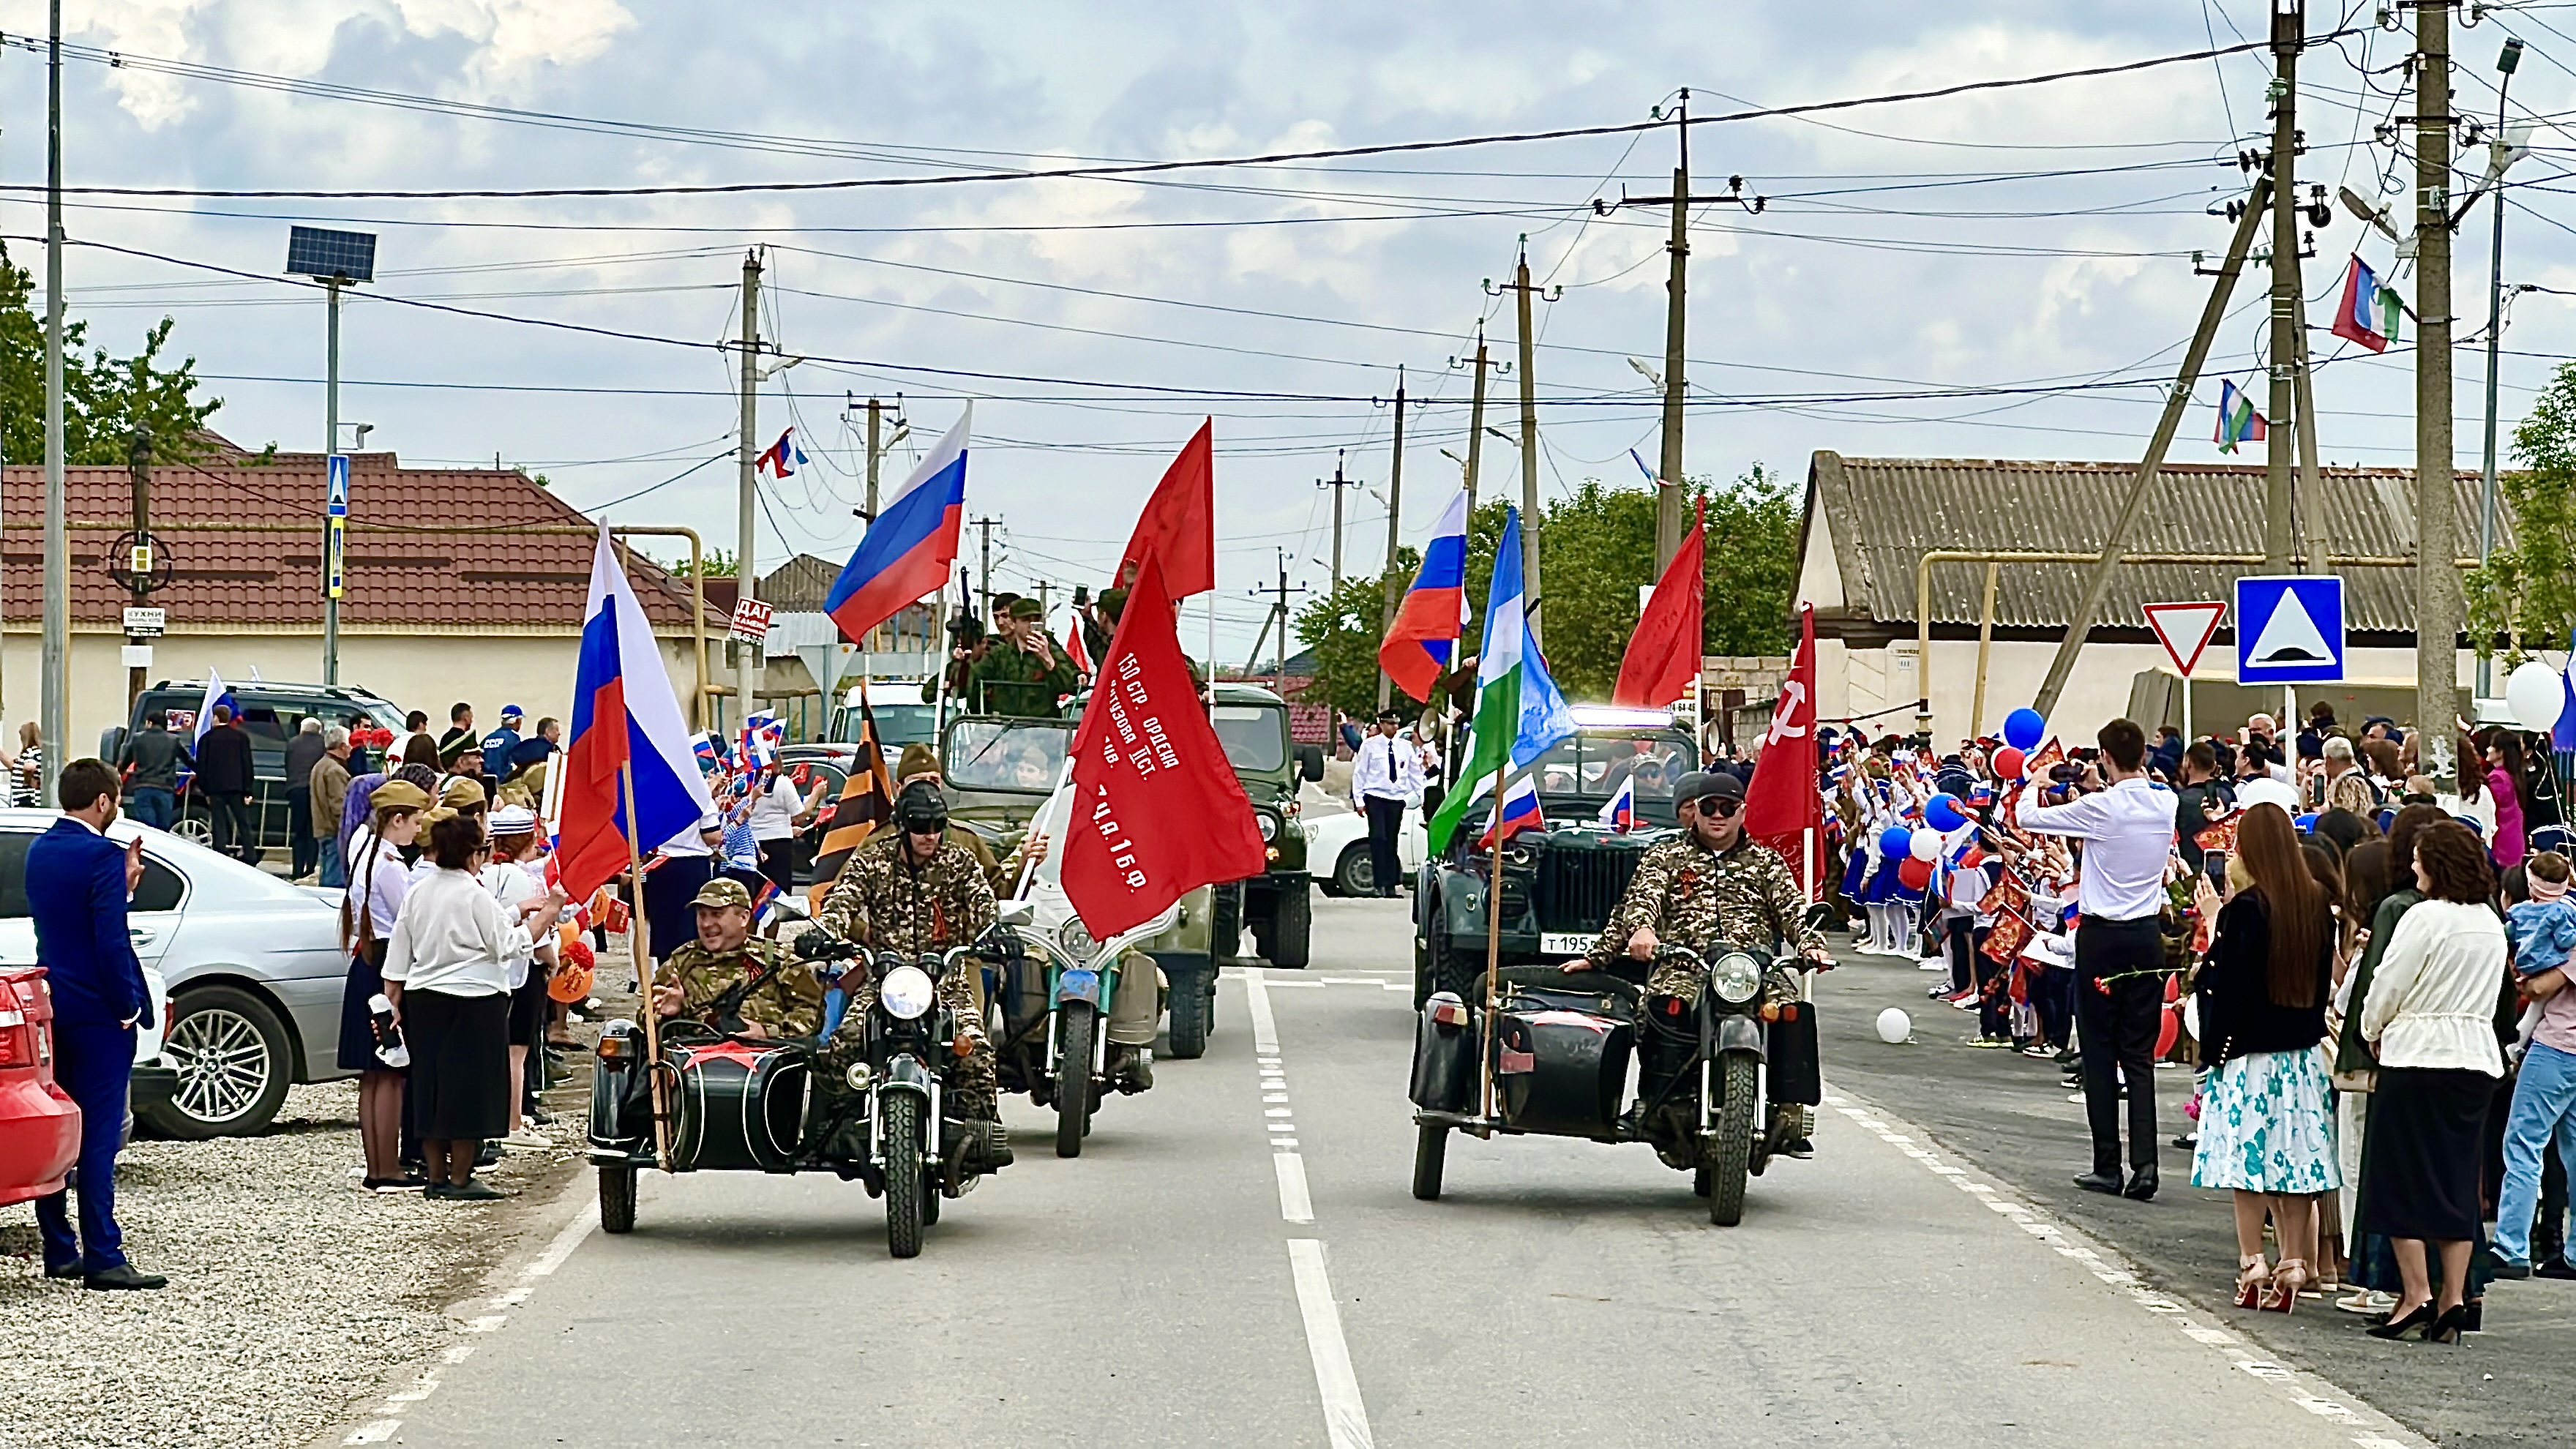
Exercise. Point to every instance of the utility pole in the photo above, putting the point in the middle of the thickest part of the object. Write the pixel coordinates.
(1394, 587)
(2097, 586)
(2438, 604)
(1520, 283)
(2289, 32)
(1276, 619)
(138, 458)
(1476, 421)
(2501, 154)
(54, 703)
(1337, 483)
(876, 453)
(746, 576)
(335, 526)
(985, 526)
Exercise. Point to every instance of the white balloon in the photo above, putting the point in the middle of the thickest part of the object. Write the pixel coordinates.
(1894, 1027)
(1925, 844)
(2535, 695)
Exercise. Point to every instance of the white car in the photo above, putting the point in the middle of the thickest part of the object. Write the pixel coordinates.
(246, 972)
(1337, 851)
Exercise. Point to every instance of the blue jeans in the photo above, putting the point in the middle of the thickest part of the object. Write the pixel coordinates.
(2544, 1106)
(335, 866)
(151, 805)
(93, 1062)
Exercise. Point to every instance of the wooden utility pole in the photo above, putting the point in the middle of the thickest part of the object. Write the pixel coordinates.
(1337, 483)
(985, 526)
(2289, 32)
(1476, 423)
(2439, 608)
(747, 468)
(1394, 586)
(2098, 586)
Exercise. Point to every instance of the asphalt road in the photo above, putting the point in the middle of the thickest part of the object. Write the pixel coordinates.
(1236, 1258)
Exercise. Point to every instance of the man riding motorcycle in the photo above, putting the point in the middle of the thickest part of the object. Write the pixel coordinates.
(1709, 885)
(732, 980)
(909, 891)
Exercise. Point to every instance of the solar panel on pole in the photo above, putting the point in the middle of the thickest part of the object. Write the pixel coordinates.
(348, 256)
(337, 259)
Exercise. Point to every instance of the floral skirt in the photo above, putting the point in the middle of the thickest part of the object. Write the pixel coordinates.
(2267, 1125)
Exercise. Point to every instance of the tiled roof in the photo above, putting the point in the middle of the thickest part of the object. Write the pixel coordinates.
(246, 543)
(1885, 513)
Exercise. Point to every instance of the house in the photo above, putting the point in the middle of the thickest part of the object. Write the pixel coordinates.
(1869, 522)
(459, 584)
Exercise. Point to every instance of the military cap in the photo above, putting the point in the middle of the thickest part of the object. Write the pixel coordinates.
(723, 891)
(916, 759)
(1025, 608)
(398, 795)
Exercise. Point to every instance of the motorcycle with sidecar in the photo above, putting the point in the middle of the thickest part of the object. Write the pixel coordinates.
(740, 1102)
(1724, 1085)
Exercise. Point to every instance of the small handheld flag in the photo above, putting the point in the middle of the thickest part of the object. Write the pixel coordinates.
(1520, 812)
(1621, 813)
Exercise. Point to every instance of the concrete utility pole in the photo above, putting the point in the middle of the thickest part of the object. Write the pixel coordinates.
(1476, 424)
(334, 530)
(1394, 587)
(1337, 483)
(2289, 32)
(2439, 607)
(138, 459)
(876, 453)
(2097, 586)
(54, 703)
(746, 576)
(1530, 591)
(985, 526)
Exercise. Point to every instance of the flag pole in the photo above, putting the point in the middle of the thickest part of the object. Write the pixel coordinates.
(637, 926)
(1494, 934)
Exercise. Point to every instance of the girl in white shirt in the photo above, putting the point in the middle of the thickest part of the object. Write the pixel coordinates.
(369, 910)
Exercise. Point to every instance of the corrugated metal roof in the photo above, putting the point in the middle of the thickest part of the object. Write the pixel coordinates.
(1885, 513)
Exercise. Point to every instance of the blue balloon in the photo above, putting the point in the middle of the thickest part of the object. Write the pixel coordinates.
(1941, 812)
(1895, 840)
(2024, 728)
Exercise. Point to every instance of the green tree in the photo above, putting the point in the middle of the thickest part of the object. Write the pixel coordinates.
(2526, 594)
(718, 563)
(1597, 551)
(105, 398)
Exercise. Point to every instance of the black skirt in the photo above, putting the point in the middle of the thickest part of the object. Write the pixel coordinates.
(460, 1064)
(357, 1048)
(528, 1008)
(2427, 1128)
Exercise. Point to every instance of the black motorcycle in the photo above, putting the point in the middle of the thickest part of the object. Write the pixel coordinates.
(1723, 1086)
(739, 1102)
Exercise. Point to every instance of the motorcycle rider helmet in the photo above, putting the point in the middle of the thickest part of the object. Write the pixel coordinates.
(921, 809)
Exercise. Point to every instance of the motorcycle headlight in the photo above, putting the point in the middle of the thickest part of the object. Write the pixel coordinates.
(907, 993)
(1268, 824)
(1735, 978)
(1074, 941)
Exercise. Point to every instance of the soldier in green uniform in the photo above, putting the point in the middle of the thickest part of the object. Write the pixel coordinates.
(1020, 673)
(783, 998)
(908, 890)
(1707, 886)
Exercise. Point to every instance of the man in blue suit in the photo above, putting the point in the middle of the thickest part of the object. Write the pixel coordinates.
(77, 888)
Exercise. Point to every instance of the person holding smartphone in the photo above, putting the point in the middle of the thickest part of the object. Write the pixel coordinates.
(2200, 797)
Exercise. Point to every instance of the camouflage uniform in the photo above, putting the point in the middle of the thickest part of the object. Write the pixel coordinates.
(1010, 681)
(1690, 895)
(891, 904)
(787, 1002)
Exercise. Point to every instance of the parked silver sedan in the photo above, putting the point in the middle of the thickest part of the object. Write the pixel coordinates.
(253, 967)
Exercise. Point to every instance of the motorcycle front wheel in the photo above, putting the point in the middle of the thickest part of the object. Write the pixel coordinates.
(1076, 1031)
(1730, 1146)
(899, 1128)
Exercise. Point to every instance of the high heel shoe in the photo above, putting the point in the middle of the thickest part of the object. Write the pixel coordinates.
(2288, 1277)
(2252, 1274)
(2394, 1327)
(2446, 1329)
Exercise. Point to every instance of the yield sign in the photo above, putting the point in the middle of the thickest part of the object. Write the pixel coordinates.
(2184, 630)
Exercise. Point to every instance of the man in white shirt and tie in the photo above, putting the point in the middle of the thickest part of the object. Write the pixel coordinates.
(1386, 776)
(2127, 831)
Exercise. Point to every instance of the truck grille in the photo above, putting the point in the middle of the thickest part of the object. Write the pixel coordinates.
(1578, 888)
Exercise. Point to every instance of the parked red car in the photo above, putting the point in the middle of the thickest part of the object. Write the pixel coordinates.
(40, 1126)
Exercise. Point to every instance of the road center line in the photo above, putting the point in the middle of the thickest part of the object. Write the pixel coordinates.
(1294, 1204)
(1265, 1029)
(1345, 1417)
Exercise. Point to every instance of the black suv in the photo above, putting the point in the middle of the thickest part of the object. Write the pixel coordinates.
(1560, 883)
(271, 714)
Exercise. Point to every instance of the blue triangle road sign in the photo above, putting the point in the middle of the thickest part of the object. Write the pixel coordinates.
(2289, 629)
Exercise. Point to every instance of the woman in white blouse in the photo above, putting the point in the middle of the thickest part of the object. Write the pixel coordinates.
(368, 910)
(2430, 1016)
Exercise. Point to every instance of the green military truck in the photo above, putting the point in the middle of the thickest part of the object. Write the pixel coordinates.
(1276, 906)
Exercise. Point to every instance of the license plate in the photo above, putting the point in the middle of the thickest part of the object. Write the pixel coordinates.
(1565, 943)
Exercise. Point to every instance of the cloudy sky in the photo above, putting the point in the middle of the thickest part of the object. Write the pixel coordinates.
(2022, 256)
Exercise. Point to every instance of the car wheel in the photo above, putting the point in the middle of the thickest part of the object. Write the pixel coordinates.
(234, 1060)
(1354, 874)
(195, 829)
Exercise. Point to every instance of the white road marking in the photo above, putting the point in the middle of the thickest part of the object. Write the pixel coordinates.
(375, 1433)
(1345, 1416)
(1294, 1204)
(1265, 1030)
(561, 1248)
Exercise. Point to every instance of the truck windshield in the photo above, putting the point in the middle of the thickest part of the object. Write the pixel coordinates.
(1255, 736)
(898, 725)
(1589, 768)
(1018, 755)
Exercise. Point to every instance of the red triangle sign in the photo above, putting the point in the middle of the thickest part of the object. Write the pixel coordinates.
(2185, 630)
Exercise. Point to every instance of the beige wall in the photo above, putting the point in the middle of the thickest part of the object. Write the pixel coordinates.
(425, 671)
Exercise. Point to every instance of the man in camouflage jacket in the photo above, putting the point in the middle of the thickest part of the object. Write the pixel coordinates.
(909, 891)
(784, 998)
(1709, 884)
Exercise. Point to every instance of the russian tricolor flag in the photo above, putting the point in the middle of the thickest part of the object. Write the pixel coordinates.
(1621, 813)
(625, 722)
(1424, 638)
(1520, 812)
(910, 545)
(782, 458)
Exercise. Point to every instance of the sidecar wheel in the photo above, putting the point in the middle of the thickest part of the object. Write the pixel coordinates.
(617, 1199)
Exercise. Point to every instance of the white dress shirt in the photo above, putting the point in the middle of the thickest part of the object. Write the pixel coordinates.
(1387, 769)
(2128, 832)
(453, 938)
(2432, 1000)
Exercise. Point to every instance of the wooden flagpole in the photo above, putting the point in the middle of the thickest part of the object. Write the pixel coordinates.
(639, 929)
(1494, 934)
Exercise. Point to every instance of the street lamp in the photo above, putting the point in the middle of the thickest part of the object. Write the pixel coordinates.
(336, 259)
(2503, 150)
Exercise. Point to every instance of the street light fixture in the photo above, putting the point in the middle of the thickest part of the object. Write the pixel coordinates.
(2507, 147)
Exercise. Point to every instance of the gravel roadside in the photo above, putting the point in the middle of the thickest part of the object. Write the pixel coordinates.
(291, 1293)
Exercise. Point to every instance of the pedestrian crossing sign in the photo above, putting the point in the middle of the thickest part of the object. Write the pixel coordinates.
(2289, 629)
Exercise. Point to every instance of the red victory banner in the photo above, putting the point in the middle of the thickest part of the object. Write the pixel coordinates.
(1156, 812)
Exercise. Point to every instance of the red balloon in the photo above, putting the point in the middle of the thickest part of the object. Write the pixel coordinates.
(2008, 763)
(1916, 874)
(2168, 1030)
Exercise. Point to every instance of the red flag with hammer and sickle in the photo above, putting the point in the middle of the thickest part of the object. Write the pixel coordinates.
(1783, 807)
